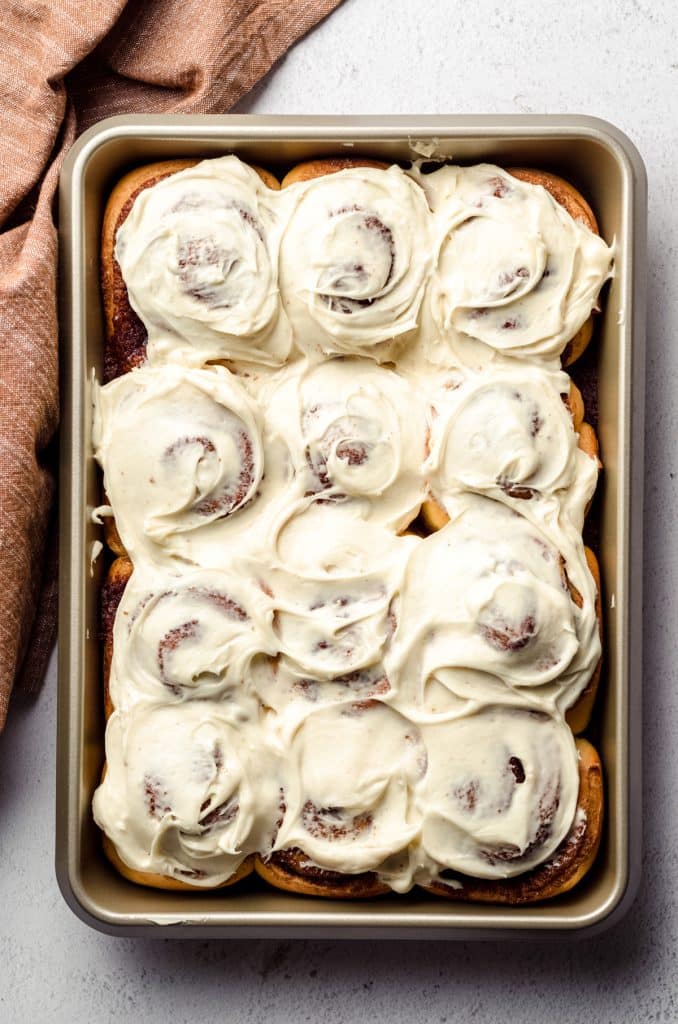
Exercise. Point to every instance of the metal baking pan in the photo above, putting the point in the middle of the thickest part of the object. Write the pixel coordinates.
(605, 166)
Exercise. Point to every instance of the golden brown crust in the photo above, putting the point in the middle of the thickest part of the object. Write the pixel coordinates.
(289, 870)
(310, 169)
(575, 404)
(577, 346)
(112, 537)
(579, 715)
(125, 333)
(111, 596)
(156, 881)
(562, 191)
(563, 870)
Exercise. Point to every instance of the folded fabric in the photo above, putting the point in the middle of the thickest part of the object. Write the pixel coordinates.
(66, 65)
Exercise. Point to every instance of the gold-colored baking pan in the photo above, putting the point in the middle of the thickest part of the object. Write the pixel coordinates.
(605, 166)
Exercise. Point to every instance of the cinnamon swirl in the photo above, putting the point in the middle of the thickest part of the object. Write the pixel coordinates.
(185, 637)
(489, 615)
(189, 266)
(197, 479)
(561, 870)
(516, 274)
(355, 259)
(352, 813)
(508, 434)
(182, 796)
(357, 433)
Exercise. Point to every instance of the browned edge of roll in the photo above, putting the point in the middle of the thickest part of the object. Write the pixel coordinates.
(563, 870)
(289, 870)
(125, 342)
(157, 881)
(579, 715)
(116, 580)
(578, 208)
(310, 169)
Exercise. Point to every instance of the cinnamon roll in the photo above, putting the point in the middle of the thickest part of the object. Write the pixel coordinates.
(354, 260)
(357, 433)
(516, 274)
(351, 813)
(192, 636)
(508, 433)
(189, 266)
(182, 796)
(564, 867)
(197, 478)
(489, 614)
(500, 791)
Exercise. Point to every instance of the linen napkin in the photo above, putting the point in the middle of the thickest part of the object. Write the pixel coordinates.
(65, 65)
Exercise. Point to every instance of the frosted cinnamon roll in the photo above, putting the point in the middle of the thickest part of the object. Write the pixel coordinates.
(351, 811)
(493, 611)
(561, 870)
(191, 636)
(357, 433)
(354, 261)
(516, 274)
(508, 433)
(499, 794)
(183, 797)
(331, 636)
(198, 253)
(193, 479)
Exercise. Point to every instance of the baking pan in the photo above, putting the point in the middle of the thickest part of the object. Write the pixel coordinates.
(605, 166)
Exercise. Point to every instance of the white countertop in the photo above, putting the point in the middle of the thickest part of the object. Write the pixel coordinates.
(617, 60)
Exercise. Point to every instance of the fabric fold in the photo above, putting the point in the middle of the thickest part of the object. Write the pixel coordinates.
(67, 65)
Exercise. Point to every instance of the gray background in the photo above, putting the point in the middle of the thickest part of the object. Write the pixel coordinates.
(617, 60)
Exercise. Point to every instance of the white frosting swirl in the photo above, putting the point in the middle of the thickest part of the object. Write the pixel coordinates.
(515, 271)
(487, 616)
(354, 261)
(199, 252)
(188, 636)
(356, 433)
(509, 434)
(194, 481)
(500, 792)
(352, 810)
(186, 794)
(289, 672)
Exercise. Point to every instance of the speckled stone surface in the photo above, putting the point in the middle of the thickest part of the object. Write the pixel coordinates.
(618, 60)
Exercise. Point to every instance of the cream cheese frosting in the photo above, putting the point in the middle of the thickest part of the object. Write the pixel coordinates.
(516, 275)
(496, 809)
(357, 433)
(186, 793)
(354, 810)
(509, 434)
(292, 668)
(199, 255)
(355, 259)
(487, 615)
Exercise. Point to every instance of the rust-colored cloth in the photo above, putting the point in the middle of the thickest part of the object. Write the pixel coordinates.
(65, 65)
